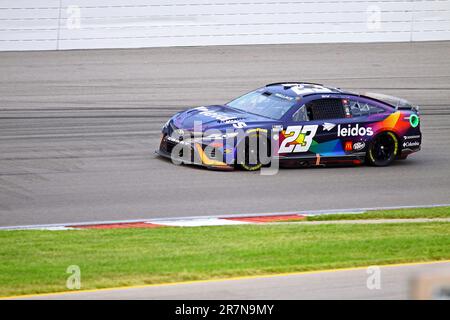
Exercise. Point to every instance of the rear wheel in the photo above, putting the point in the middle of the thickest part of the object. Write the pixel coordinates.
(383, 149)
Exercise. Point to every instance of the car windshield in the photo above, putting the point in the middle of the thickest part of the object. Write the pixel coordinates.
(266, 104)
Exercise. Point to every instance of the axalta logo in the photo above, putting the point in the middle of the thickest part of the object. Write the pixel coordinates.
(212, 114)
(355, 131)
(221, 117)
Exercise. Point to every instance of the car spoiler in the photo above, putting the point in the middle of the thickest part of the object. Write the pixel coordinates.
(397, 103)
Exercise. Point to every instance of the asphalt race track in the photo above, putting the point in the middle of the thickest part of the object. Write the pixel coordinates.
(78, 130)
(395, 283)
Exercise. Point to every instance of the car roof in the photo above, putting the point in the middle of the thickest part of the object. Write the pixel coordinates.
(302, 89)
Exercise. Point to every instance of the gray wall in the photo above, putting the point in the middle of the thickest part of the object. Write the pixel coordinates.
(79, 24)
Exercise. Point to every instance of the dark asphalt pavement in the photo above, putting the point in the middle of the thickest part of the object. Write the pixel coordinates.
(78, 130)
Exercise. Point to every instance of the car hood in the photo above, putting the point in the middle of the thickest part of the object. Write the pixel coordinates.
(217, 117)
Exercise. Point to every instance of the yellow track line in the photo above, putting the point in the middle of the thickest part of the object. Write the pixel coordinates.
(224, 279)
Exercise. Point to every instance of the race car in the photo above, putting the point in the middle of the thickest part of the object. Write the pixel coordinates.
(297, 124)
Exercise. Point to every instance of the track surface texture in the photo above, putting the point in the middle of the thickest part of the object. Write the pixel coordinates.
(78, 130)
(395, 283)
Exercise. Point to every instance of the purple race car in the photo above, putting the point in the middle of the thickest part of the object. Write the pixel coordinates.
(296, 123)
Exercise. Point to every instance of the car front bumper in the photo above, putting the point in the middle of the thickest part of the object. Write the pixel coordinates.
(194, 153)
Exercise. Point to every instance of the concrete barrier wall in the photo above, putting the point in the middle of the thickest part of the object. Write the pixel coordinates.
(80, 24)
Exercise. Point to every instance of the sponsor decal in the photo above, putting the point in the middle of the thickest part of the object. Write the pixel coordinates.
(358, 146)
(231, 120)
(186, 143)
(277, 127)
(283, 96)
(239, 125)
(411, 141)
(408, 144)
(354, 131)
(347, 112)
(256, 130)
(412, 137)
(328, 126)
(215, 115)
(222, 117)
(348, 146)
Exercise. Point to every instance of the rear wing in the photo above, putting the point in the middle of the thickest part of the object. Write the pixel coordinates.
(397, 103)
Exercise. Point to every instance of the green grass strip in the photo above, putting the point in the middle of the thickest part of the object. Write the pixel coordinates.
(437, 212)
(36, 261)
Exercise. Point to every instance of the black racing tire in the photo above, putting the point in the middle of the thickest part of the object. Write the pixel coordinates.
(251, 160)
(383, 149)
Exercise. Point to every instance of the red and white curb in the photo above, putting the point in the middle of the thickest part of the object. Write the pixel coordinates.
(203, 221)
(157, 223)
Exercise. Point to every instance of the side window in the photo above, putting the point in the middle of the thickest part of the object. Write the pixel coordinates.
(300, 114)
(359, 109)
(322, 109)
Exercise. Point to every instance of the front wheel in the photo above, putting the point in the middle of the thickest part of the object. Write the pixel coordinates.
(383, 149)
(249, 150)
